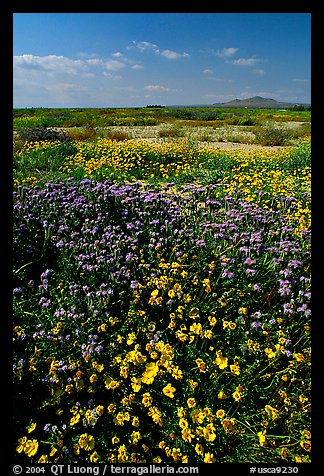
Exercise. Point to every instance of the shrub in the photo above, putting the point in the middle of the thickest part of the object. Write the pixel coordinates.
(247, 121)
(172, 131)
(117, 135)
(272, 136)
(43, 134)
(83, 133)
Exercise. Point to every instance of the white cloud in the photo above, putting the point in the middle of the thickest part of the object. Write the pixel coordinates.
(114, 65)
(147, 46)
(143, 46)
(226, 52)
(219, 80)
(94, 62)
(170, 54)
(137, 66)
(118, 54)
(51, 64)
(111, 76)
(246, 61)
(158, 87)
(207, 71)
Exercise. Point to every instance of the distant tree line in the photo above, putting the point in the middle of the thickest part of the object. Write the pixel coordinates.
(154, 105)
(300, 107)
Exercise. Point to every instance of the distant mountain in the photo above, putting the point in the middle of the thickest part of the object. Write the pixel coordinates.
(257, 102)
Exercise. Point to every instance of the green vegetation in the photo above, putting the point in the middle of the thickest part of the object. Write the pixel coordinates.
(161, 287)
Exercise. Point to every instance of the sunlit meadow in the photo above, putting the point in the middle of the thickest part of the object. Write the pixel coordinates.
(162, 303)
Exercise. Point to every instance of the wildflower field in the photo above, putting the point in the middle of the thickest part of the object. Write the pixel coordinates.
(161, 303)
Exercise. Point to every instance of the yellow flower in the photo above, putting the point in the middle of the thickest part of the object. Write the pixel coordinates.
(93, 378)
(76, 450)
(136, 422)
(220, 360)
(102, 328)
(197, 416)
(212, 320)
(196, 328)
(75, 419)
(171, 294)
(298, 357)
(31, 448)
(209, 458)
(186, 298)
(147, 399)
(306, 445)
(209, 432)
(122, 454)
(86, 442)
(199, 449)
(306, 434)
(150, 372)
(156, 415)
(135, 436)
(243, 310)
(130, 338)
(136, 383)
(235, 369)
(94, 457)
(191, 402)
(99, 410)
(221, 395)
(273, 412)
(187, 435)
(262, 437)
(31, 427)
(183, 423)
(270, 353)
(220, 413)
(168, 390)
(237, 396)
(22, 444)
(111, 408)
(201, 365)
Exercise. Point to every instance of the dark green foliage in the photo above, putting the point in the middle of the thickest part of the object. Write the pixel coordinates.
(38, 134)
(272, 137)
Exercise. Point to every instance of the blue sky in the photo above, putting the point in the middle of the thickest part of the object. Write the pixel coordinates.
(135, 59)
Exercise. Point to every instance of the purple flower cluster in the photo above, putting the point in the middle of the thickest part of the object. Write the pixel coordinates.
(102, 240)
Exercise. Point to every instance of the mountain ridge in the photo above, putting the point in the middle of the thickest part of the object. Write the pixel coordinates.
(257, 102)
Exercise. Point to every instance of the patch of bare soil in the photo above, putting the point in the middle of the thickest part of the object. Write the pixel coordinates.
(238, 145)
(226, 145)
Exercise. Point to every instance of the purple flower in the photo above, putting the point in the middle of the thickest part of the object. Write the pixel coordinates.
(227, 274)
(256, 325)
(249, 261)
(287, 308)
(250, 271)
